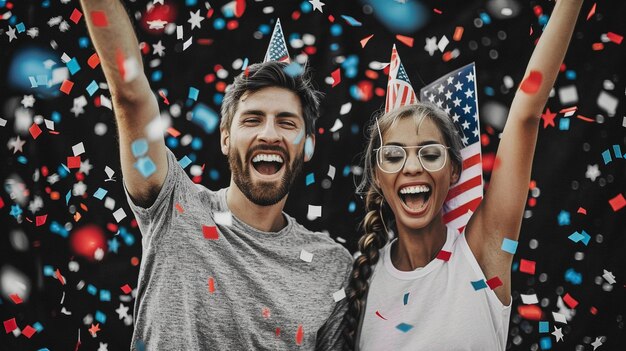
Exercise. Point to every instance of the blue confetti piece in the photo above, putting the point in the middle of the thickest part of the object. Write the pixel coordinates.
(105, 295)
(564, 124)
(48, 271)
(406, 298)
(56, 228)
(92, 88)
(100, 193)
(351, 21)
(544, 327)
(193, 93)
(403, 327)
(585, 237)
(351, 207)
(564, 218)
(346, 171)
(219, 23)
(570, 74)
(308, 147)
(214, 174)
(617, 151)
(576, 237)
(67, 197)
(56, 117)
(16, 211)
(545, 343)
(489, 91)
(306, 7)
(245, 64)
(83, 42)
(294, 69)
(196, 143)
(310, 179)
(509, 246)
(156, 76)
(100, 317)
(73, 66)
(480, 284)
(113, 244)
(44, 349)
(184, 162)
(336, 30)
(485, 17)
(606, 155)
(139, 147)
(573, 277)
(205, 117)
(22, 159)
(145, 166)
(20, 27)
(38, 327)
(299, 137)
(191, 2)
(92, 290)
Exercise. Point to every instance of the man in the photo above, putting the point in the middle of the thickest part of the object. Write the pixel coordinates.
(225, 270)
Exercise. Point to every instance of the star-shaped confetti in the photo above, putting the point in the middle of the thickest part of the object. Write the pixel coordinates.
(122, 311)
(11, 34)
(158, 49)
(16, 144)
(597, 343)
(431, 45)
(156, 24)
(558, 334)
(195, 19)
(94, 329)
(317, 5)
(592, 172)
(548, 118)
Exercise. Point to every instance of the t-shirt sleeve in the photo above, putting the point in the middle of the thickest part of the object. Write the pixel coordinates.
(156, 219)
(330, 335)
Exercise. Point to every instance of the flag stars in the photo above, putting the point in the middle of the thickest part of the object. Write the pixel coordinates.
(458, 86)
(431, 98)
(440, 88)
(457, 102)
(469, 93)
(195, 19)
(439, 103)
(475, 132)
(470, 77)
(450, 80)
(465, 125)
(447, 109)
(456, 117)
(448, 95)
(466, 109)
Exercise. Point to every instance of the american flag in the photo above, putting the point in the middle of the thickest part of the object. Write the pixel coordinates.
(455, 93)
(399, 89)
(277, 50)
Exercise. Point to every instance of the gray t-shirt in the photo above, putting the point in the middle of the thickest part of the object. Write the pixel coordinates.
(236, 288)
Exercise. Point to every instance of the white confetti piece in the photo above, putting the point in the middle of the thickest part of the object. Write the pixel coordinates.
(609, 277)
(314, 212)
(179, 32)
(331, 172)
(3, 122)
(119, 214)
(607, 102)
(568, 95)
(338, 125)
(223, 218)
(339, 295)
(306, 256)
(559, 317)
(78, 149)
(109, 173)
(529, 299)
(49, 125)
(187, 43)
(443, 42)
(109, 203)
(345, 108)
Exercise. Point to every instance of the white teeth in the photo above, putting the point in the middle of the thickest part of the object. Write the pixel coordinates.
(415, 189)
(267, 158)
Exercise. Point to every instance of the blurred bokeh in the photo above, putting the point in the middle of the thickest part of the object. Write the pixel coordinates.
(69, 261)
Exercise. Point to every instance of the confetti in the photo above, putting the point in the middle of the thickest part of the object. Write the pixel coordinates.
(339, 295)
(570, 301)
(365, 40)
(444, 255)
(210, 232)
(404, 327)
(532, 83)
(509, 246)
(99, 19)
(306, 256)
(336, 76)
(618, 202)
(526, 266)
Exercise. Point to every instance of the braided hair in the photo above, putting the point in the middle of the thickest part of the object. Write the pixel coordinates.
(374, 227)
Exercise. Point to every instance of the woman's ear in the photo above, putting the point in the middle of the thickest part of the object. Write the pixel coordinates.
(454, 177)
(224, 141)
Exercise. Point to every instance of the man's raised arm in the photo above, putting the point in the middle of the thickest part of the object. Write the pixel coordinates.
(134, 104)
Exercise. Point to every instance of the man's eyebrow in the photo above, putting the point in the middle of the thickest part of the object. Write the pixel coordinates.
(253, 112)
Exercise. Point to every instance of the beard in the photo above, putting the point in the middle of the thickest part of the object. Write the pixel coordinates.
(264, 193)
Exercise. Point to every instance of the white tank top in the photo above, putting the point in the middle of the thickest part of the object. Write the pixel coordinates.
(434, 307)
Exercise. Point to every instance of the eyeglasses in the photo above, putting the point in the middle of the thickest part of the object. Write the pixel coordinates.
(392, 158)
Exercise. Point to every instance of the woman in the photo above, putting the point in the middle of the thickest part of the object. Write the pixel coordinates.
(416, 301)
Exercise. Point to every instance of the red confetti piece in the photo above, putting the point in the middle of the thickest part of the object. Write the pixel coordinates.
(570, 301)
(165, 100)
(295, 15)
(618, 202)
(99, 19)
(210, 232)
(582, 210)
(94, 329)
(28, 331)
(211, 285)
(1, 203)
(119, 60)
(444, 255)
(16, 299)
(173, 132)
(532, 83)
(526, 266)
(76, 16)
(331, 18)
(380, 315)
(548, 118)
(58, 275)
(179, 208)
(40, 220)
(34, 130)
(597, 46)
(93, 61)
(494, 282)
(336, 75)
(126, 289)
(591, 12)
(365, 40)
(266, 313)
(67, 86)
(277, 333)
(10, 325)
(240, 8)
(437, 11)
(458, 33)
(408, 41)
(73, 162)
(530, 312)
(616, 38)
(299, 335)
(586, 119)
(593, 310)
(447, 56)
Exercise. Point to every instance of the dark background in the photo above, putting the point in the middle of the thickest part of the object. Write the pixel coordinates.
(500, 48)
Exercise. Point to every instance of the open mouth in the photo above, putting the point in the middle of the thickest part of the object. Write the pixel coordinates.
(267, 164)
(415, 197)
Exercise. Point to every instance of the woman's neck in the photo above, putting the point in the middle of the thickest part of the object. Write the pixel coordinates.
(417, 247)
